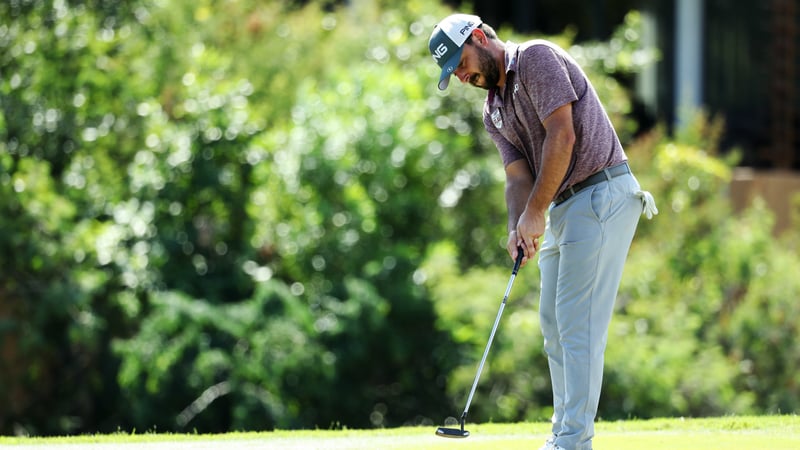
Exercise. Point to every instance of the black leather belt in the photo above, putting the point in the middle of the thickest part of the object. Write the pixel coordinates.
(599, 177)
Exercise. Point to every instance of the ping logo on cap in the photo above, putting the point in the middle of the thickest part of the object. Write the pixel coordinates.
(440, 51)
(468, 27)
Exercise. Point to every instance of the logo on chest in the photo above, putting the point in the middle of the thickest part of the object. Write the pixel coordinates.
(497, 119)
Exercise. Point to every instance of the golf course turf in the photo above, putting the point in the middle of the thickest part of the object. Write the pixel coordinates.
(724, 433)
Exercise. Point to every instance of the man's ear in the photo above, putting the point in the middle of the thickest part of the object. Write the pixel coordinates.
(479, 36)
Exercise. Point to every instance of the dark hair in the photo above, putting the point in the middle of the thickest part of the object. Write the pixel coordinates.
(487, 30)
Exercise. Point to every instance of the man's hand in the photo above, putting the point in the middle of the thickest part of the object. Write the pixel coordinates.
(513, 245)
(530, 228)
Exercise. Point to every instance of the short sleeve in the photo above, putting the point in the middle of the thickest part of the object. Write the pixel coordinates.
(544, 74)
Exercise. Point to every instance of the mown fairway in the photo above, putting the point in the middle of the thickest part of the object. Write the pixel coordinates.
(729, 433)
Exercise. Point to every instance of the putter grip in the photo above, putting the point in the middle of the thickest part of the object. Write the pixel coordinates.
(518, 262)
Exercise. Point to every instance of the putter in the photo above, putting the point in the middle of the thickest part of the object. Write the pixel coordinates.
(462, 433)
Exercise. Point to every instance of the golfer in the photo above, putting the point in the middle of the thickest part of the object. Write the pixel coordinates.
(570, 196)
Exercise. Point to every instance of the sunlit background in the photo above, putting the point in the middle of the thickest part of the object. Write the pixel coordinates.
(249, 215)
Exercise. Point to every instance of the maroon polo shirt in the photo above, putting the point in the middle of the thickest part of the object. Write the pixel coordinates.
(540, 78)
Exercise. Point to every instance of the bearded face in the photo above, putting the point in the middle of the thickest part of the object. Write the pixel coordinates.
(488, 70)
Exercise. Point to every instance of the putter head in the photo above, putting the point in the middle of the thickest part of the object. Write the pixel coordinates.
(457, 433)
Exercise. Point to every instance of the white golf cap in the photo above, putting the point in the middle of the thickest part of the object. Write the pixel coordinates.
(447, 43)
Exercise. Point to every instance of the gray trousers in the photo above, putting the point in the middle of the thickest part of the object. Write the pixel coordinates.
(585, 245)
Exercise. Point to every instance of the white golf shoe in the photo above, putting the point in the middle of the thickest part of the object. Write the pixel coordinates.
(549, 444)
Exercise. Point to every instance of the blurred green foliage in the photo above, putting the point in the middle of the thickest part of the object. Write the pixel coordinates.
(264, 215)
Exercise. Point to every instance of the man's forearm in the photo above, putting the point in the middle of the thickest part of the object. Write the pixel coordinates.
(518, 193)
(556, 156)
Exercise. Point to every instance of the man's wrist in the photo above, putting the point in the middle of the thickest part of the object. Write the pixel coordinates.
(537, 205)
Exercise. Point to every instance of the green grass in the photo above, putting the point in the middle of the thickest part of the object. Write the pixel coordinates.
(726, 433)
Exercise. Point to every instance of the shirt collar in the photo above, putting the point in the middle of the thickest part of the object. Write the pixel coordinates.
(496, 94)
(511, 56)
